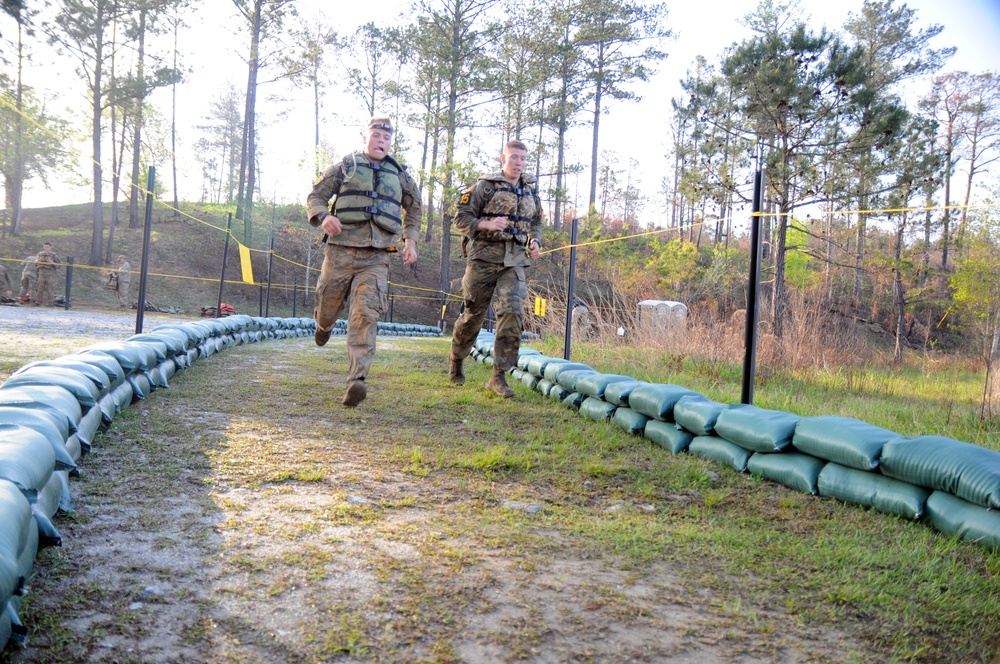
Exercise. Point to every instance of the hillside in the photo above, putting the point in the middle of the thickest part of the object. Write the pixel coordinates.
(186, 256)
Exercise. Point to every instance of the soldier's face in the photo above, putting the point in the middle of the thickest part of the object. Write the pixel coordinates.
(377, 143)
(514, 162)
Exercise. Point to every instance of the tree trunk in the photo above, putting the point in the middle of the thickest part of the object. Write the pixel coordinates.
(596, 134)
(96, 93)
(248, 122)
(134, 221)
(16, 190)
(173, 128)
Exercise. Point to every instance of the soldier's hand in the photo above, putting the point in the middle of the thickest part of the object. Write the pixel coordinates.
(331, 225)
(534, 251)
(494, 224)
(409, 252)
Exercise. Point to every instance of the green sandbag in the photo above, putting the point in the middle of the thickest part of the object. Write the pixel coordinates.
(968, 471)
(860, 487)
(46, 397)
(26, 459)
(698, 414)
(95, 374)
(618, 391)
(573, 400)
(597, 409)
(171, 345)
(76, 384)
(516, 374)
(15, 524)
(553, 369)
(629, 421)
(793, 469)
(657, 400)
(50, 425)
(141, 387)
(668, 436)
(971, 523)
(528, 379)
(106, 363)
(756, 429)
(543, 386)
(557, 393)
(720, 450)
(594, 385)
(570, 377)
(536, 365)
(843, 440)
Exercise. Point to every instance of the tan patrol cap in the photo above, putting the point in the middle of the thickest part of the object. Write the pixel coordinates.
(380, 122)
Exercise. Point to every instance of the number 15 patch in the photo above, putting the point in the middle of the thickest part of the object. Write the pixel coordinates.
(465, 199)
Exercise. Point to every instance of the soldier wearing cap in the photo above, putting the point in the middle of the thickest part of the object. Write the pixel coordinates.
(29, 276)
(501, 219)
(47, 262)
(124, 281)
(363, 203)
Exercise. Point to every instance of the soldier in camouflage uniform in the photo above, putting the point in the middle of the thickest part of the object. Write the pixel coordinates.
(374, 201)
(501, 216)
(47, 263)
(29, 276)
(124, 281)
(6, 285)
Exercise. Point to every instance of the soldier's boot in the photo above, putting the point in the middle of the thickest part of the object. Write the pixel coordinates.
(498, 383)
(455, 372)
(321, 336)
(355, 393)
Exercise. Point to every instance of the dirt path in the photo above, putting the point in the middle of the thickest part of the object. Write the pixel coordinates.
(206, 531)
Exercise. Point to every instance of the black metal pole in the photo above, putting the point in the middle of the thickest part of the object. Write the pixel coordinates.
(69, 280)
(753, 285)
(225, 259)
(571, 288)
(270, 258)
(295, 296)
(140, 308)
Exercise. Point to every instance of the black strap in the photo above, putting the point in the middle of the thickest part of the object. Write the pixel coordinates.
(371, 209)
(369, 193)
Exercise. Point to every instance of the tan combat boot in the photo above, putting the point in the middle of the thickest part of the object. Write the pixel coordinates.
(355, 393)
(498, 383)
(455, 373)
(321, 336)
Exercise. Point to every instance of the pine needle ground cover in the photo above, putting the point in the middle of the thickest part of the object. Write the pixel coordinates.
(244, 515)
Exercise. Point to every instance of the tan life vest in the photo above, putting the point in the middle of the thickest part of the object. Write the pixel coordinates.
(372, 192)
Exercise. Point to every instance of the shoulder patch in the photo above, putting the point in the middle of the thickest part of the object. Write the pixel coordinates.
(465, 199)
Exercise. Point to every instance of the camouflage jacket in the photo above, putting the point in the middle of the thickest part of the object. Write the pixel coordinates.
(30, 269)
(367, 234)
(492, 196)
(47, 260)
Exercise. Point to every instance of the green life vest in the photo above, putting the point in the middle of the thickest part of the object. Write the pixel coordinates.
(372, 192)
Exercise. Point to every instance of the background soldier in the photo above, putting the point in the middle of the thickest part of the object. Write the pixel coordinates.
(124, 280)
(47, 262)
(502, 217)
(6, 285)
(29, 276)
(374, 200)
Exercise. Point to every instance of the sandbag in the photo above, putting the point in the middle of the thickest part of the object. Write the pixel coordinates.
(557, 393)
(573, 400)
(570, 377)
(874, 490)
(968, 471)
(76, 384)
(793, 469)
(529, 379)
(618, 391)
(657, 400)
(594, 385)
(106, 363)
(958, 518)
(172, 344)
(629, 421)
(122, 395)
(26, 459)
(843, 440)
(668, 436)
(719, 450)
(756, 429)
(88, 426)
(50, 425)
(553, 369)
(543, 386)
(597, 409)
(128, 357)
(97, 375)
(698, 414)
(141, 387)
(52, 398)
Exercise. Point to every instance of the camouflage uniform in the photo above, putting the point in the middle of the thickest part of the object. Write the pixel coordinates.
(47, 262)
(356, 262)
(5, 282)
(124, 280)
(497, 260)
(29, 275)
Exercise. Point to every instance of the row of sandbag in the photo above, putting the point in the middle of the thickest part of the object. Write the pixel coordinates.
(952, 485)
(51, 410)
(393, 329)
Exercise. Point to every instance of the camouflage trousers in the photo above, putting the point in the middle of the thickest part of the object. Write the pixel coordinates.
(481, 281)
(46, 282)
(360, 276)
(122, 293)
(28, 285)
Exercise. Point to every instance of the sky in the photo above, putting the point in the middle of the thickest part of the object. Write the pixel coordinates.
(637, 132)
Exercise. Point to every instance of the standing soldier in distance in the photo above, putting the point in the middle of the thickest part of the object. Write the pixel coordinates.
(501, 215)
(47, 262)
(124, 280)
(6, 285)
(29, 276)
(374, 201)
